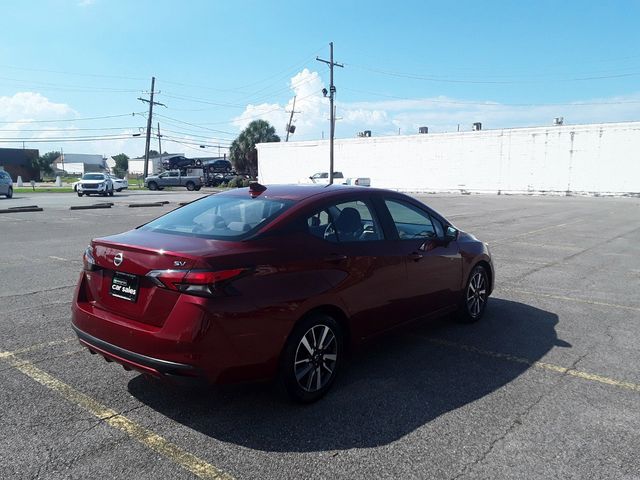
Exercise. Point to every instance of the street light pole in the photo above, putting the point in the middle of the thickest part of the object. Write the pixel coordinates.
(332, 92)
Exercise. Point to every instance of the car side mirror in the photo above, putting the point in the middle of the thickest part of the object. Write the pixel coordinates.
(451, 234)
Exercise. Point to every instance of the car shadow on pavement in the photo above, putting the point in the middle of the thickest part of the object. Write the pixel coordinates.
(387, 390)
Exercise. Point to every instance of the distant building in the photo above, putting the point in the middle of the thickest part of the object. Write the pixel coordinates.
(79, 163)
(17, 162)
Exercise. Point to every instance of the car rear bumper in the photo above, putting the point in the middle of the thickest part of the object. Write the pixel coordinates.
(174, 372)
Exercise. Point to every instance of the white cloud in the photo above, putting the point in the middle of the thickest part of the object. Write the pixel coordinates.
(439, 113)
(25, 106)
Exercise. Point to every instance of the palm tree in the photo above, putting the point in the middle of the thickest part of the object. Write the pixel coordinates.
(243, 153)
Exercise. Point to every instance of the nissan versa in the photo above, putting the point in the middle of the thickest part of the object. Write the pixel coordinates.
(275, 281)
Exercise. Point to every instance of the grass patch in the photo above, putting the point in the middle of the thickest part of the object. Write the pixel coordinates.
(43, 190)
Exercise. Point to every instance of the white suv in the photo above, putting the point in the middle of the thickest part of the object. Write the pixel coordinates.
(96, 183)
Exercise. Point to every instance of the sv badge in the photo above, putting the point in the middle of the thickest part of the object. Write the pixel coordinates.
(179, 263)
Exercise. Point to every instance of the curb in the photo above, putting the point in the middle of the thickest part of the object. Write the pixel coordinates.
(151, 204)
(28, 208)
(90, 207)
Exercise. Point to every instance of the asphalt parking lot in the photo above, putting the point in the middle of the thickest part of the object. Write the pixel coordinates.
(546, 386)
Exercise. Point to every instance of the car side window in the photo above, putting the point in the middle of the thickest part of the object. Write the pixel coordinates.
(345, 222)
(410, 221)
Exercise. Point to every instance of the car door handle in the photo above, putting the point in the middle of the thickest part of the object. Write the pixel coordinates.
(335, 258)
(415, 256)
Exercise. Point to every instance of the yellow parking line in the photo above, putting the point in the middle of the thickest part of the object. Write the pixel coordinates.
(39, 346)
(571, 299)
(146, 437)
(542, 365)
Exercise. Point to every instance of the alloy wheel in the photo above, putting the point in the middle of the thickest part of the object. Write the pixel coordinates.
(316, 357)
(477, 293)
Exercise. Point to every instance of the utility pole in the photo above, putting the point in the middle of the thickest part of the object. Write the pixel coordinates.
(159, 142)
(62, 157)
(332, 92)
(148, 141)
(293, 110)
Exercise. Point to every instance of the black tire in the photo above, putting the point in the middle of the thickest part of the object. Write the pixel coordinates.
(198, 189)
(198, 162)
(111, 192)
(119, 190)
(9, 193)
(153, 186)
(475, 296)
(190, 186)
(75, 188)
(302, 365)
(79, 194)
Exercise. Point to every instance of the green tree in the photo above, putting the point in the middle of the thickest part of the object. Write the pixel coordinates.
(122, 165)
(243, 153)
(43, 162)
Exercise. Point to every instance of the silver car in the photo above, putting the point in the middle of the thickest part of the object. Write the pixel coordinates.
(6, 184)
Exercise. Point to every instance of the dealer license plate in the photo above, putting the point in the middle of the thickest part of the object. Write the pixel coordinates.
(125, 286)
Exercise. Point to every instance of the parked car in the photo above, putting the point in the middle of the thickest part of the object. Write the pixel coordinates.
(275, 281)
(219, 166)
(173, 178)
(6, 184)
(179, 161)
(95, 184)
(119, 183)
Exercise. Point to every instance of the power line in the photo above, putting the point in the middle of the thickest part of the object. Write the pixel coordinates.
(197, 126)
(433, 78)
(492, 104)
(72, 119)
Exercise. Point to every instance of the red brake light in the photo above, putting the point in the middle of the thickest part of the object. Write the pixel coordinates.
(195, 282)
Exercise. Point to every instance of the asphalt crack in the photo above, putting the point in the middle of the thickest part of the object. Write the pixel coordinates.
(519, 420)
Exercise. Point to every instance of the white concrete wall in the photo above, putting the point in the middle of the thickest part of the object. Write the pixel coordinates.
(136, 167)
(603, 158)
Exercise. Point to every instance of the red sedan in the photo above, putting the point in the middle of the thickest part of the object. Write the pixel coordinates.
(263, 282)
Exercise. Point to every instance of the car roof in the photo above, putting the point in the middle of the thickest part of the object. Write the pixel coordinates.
(300, 192)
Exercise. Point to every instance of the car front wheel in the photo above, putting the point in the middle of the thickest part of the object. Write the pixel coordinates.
(191, 186)
(476, 295)
(311, 358)
(153, 186)
(9, 193)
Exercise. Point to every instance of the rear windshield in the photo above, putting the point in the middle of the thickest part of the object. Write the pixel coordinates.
(219, 217)
(93, 176)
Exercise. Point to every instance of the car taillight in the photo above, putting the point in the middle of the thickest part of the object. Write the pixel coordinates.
(88, 262)
(195, 282)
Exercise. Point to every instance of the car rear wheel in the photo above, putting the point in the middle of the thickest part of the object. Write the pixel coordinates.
(191, 186)
(153, 186)
(311, 358)
(111, 192)
(9, 192)
(476, 295)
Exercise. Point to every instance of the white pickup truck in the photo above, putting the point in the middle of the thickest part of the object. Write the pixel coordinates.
(338, 177)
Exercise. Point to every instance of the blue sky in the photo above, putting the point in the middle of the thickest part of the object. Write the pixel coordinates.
(219, 65)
